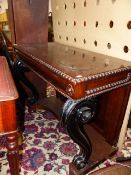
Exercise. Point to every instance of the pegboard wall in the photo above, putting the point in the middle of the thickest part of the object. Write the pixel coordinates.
(102, 26)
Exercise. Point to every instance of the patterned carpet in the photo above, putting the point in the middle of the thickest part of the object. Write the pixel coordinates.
(46, 149)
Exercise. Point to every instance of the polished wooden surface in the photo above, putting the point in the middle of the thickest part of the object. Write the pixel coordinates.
(72, 61)
(8, 96)
(8, 124)
(7, 117)
(81, 73)
(28, 21)
(109, 118)
(7, 86)
(117, 169)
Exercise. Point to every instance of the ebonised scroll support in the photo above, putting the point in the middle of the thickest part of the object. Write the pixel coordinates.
(20, 69)
(75, 115)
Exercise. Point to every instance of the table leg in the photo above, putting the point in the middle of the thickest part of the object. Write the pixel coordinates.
(75, 115)
(13, 155)
(20, 74)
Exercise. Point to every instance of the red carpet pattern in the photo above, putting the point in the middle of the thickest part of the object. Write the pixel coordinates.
(46, 149)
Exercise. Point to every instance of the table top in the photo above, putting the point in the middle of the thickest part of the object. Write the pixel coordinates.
(72, 67)
(74, 62)
(7, 87)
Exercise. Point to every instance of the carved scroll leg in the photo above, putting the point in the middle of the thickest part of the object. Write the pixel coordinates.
(13, 155)
(75, 115)
(78, 135)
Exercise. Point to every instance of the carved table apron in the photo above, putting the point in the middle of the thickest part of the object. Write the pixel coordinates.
(80, 76)
(8, 96)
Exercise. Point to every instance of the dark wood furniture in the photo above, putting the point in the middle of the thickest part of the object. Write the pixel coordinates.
(81, 77)
(93, 89)
(8, 126)
(118, 169)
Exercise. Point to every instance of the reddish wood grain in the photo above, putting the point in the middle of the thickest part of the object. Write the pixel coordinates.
(28, 21)
(8, 96)
(7, 87)
(73, 75)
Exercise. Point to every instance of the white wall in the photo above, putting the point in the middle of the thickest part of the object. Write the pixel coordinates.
(100, 26)
(4, 6)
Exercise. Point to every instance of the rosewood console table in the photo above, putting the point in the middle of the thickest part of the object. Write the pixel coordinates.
(81, 77)
(8, 127)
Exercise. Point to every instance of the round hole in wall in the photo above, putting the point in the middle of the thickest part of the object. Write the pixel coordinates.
(66, 23)
(74, 52)
(95, 43)
(126, 49)
(67, 38)
(85, 3)
(129, 25)
(84, 41)
(74, 23)
(84, 23)
(109, 45)
(111, 24)
(74, 39)
(65, 6)
(96, 23)
(74, 5)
